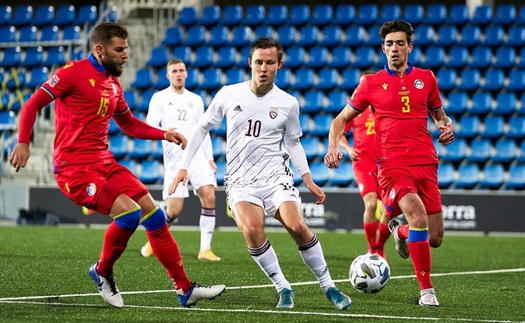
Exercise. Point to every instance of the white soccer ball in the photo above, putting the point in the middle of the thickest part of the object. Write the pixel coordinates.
(369, 273)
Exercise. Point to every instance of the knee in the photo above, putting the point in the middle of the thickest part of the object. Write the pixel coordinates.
(155, 220)
(173, 212)
(129, 220)
(435, 240)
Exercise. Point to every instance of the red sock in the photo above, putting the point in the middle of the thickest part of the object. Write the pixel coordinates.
(115, 242)
(167, 252)
(384, 233)
(402, 231)
(420, 253)
(370, 234)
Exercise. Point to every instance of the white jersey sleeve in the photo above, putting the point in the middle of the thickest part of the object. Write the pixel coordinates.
(154, 117)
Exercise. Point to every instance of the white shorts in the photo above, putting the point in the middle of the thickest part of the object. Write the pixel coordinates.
(200, 174)
(269, 196)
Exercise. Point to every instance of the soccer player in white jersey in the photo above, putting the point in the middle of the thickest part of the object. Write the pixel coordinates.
(177, 108)
(260, 116)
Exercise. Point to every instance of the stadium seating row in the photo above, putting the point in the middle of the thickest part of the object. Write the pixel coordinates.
(65, 15)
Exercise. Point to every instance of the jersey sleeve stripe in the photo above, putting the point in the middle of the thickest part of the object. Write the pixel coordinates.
(43, 87)
(356, 109)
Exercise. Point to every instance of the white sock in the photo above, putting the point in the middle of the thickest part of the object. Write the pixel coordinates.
(207, 225)
(313, 257)
(266, 258)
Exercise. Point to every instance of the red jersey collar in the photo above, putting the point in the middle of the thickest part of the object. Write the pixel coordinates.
(96, 64)
(393, 73)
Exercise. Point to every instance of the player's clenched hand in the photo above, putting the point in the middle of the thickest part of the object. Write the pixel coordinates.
(182, 177)
(176, 137)
(332, 158)
(447, 135)
(19, 156)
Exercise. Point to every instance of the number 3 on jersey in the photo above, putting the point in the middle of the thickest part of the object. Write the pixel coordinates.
(406, 100)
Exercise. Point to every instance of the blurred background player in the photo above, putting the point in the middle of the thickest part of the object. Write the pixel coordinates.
(260, 117)
(402, 96)
(88, 94)
(364, 163)
(178, 108)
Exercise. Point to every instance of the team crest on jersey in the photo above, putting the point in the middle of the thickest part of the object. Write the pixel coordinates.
(190, 105)
(115, 91)
(91, 189)
(419, 84)
(53, 80)
(392, 194)
(273, 112)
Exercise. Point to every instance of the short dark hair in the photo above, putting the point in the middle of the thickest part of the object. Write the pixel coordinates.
(268, 42)
(367, 72)
(103, 32)
(395, 26)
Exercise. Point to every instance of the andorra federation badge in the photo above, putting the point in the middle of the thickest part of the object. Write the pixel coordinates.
(273, 112)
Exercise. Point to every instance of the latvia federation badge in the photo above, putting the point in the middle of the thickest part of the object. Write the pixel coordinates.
(273, 112)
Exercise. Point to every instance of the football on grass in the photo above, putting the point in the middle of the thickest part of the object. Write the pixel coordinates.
(369, 273)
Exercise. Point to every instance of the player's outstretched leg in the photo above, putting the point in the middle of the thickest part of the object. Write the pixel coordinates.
(401, 244)
(198, 292)
(107, 287)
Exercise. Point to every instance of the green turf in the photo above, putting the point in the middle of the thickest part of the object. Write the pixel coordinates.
(50, 261)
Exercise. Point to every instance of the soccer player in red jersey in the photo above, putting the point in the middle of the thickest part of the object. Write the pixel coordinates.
(87, 95)
(364, 162)
(401, 96)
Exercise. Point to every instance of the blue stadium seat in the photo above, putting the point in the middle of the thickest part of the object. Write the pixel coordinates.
(337, 100)
(110, 13)
(220, 129)
(218, 36)
(389, 12)
(342, 176)
(341, 57)
(211, 79)
(71, 32)
(195, 36)
(470, 36)
(322, 124)
(7, 120)
(521, 155)
(516, 179)
(283, 79)
(434, 57)
(226, 57)
(44, 15)
(482, 15)
(318, 57)
(436, 14)
(159, 57)
(146, 98)
(188, 16)
(232, 15)
(174, 36)
(445, 175)
(157, 152)
(299, 15)
(493, 80)
(118, 145)
(305, 122)
(218, 147)
(481, 57)
(506, 103)
(129, 164)
(355, 36)
(494, 36)
(322, 15)
(425, 36)
(210, 16)
(295, 57)
(287, 35)
(12, 57)
(6, 13)
(480, 151)
(468, 176)
(142, 148)
(277, 15)
(492, 176)
(23, 15)
(521, 61)
(143, 79)
(505, 151)
(308, 36)
(113, 127)
(38, 76)
(150, 172)
(516, 36)
(414, 14)
(468, 126)
(345, 14)
(505, 57)
(132, 99)
(457, 101)
(447, 35)
(415, 57)
(65, 15)
(313, 102)
(455, 152)
(7, 34)
(87, 14)
(349, 79)
(458, 14)
(27, 34)
(364, 57)
(481, 103)
(494, 127)
(367, 14)
(264, 30)
(458, 57)
(469, 79)
(312, 147)
(221, 170)
(183, 53)
(327, 79)
(162, 81)
(203, 57)
(506, 14)
(516, 127)
(49, 33)
(332, 36)
(373, 36)
(56, 56)
(34, 56)
(242, 58)
(304, 79)
(255, 15)
(320, 174)
(241, 36)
